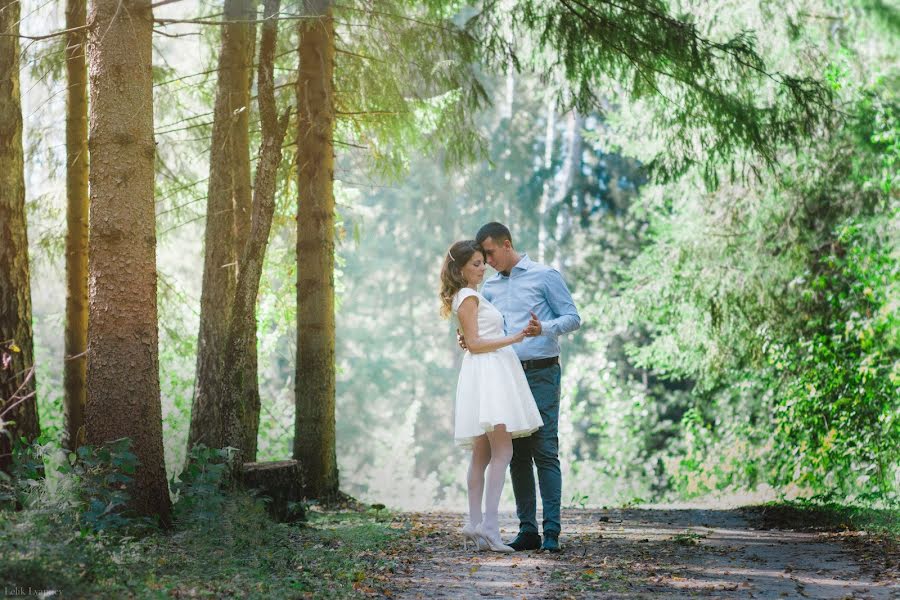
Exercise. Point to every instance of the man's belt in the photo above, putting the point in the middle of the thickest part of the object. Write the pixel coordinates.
(540, 363)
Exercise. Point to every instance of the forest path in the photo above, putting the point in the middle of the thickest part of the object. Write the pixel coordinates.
(646, 553)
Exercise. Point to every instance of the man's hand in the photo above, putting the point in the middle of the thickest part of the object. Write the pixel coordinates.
(534, 328)
(461, 340)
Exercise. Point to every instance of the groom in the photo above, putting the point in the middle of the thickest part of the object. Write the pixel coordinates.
(535, 296)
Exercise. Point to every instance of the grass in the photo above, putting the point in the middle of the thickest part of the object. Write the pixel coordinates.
(239, 553)
(828, 517)
(687, 538)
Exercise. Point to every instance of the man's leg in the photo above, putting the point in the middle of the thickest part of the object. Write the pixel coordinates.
(545, 386)
(521, 469)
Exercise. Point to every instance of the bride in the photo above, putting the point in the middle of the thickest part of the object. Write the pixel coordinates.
(493, 401)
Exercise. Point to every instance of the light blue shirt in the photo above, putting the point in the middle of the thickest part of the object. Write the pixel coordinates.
(533, 287)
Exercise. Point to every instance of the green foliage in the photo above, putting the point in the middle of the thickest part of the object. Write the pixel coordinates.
(100, 478)
(625, 416)
(687, 538)
(839, 408)
(709, 99)
(199, 487)
(733, 338)
(779, 298)
(406, 82)
(806, 513)
(86, 490)
(59, 540)
(26, 471)
(406, 85)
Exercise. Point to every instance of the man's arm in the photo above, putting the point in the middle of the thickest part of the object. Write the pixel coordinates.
(560, 301)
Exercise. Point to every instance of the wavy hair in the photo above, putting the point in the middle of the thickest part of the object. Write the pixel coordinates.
(452, 279)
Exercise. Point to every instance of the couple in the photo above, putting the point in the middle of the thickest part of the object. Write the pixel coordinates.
(507, 397)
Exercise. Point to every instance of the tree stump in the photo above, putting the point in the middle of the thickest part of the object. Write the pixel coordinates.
(281, 482)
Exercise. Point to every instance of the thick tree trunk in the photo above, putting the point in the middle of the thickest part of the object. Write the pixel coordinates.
(241, 397)
(123, 364)
(227, 207)
(314, 432)
(17, 400)
(75, 363)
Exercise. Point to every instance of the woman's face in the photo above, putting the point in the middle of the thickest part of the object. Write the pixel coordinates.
(473, 271)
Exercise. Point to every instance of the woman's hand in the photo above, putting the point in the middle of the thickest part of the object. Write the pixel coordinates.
(461, 340)
(518, 337)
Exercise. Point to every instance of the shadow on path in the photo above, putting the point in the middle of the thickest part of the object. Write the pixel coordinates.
(644, 553)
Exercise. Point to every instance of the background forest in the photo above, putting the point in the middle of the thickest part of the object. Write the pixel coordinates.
(740, 308)
(222, 366)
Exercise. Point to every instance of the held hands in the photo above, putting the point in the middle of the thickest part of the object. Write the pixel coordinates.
(518, 337)
(534, 327)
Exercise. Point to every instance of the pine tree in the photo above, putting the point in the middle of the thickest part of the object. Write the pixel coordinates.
(227, 219)
(711, 99)
(314, 433)
(122, 365)
(18, 407)
(239, 365)
(75, 362)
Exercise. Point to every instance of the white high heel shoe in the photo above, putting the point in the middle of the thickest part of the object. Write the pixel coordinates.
(492, 539)
(469, 535)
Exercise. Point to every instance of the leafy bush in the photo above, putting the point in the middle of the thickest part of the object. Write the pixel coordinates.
(779, 298)
(101, 477)
(26, 472)
(223, 545)
(199, 487)
(837, 416)
(71, 517)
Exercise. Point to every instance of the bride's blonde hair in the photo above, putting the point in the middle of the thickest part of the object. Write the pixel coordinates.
(452, 279)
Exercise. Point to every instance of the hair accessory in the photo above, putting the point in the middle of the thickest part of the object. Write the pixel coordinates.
(451, 256)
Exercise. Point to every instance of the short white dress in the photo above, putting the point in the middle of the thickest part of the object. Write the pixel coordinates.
(492, 389)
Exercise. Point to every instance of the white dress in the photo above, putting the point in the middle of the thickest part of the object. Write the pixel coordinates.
(492, 388)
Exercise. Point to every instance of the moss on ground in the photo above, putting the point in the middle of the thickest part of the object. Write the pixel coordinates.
(827, 517)
(236, 553)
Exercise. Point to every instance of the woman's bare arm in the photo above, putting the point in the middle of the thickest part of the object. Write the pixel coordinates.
(468, 318)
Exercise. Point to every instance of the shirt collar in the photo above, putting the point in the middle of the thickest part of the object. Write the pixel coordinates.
(523, 265)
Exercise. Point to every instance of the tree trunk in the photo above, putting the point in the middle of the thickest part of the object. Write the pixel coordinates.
(123, 362)
(314, 431)
(241, 398)
(564, 182)
(240, 137)
(75, 363)
(17, 400)
(544, 204)
(225, 209)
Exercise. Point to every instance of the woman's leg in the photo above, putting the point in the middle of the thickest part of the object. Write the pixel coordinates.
(481, 456)
(501, 454)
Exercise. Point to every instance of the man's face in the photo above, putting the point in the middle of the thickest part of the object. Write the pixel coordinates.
(498, 255)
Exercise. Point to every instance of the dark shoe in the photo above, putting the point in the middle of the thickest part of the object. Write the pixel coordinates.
(526, 541)
(551, 543)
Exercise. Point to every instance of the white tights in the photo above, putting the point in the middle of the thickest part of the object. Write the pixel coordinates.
(494, 450)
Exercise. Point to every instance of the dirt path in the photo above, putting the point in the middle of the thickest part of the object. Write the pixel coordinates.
(646, 554)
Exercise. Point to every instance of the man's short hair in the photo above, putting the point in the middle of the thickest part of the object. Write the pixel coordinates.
(496, 231)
